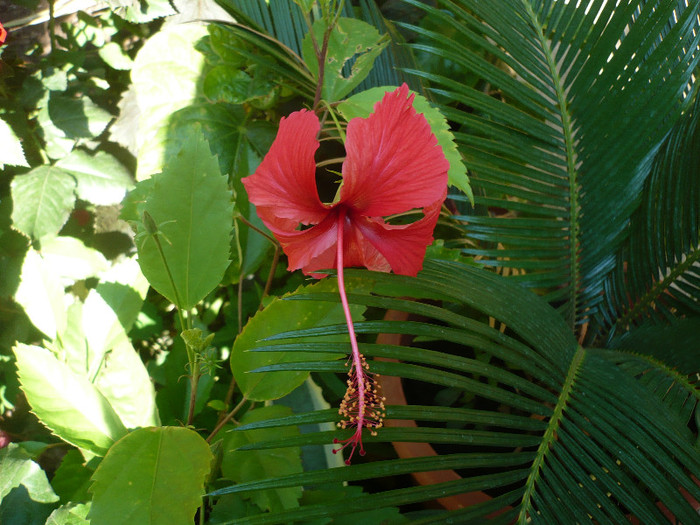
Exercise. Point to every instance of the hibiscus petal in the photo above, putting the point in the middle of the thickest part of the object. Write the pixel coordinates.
(403, 246)
(312, 249)
(393, 163)
(284, 185)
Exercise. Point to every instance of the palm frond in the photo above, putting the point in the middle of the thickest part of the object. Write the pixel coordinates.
(553, 431)
(657, 275)
(578, 96)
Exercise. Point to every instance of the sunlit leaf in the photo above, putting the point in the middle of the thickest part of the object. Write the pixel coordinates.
(160, 472)
(68, 404)
(42, 200)
(192, 209)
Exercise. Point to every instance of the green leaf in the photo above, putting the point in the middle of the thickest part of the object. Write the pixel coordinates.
(68, 404)
(78, 117)
(111, 308)
(124, 381)
(248, 465)
(40, 293)
(72, 478)
(362, 104)
(70, 259)
(12, 152)
(18, 470)
(153, 476)
(114, 55)
(71, 514)
(353, 43)
(101, 178)
(42, 200)
(165, 75)
(281, 315)
(223, 84)
(192, 208)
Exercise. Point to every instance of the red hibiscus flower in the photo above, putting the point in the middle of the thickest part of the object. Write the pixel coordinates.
(3, 34)
(393, 165)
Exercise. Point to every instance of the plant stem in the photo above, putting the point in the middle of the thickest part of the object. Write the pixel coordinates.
(225, 420)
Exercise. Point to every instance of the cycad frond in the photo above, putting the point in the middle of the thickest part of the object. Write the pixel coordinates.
(578, 98)
(558, 433)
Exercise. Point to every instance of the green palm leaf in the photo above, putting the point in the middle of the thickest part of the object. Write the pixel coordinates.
(580, 95)
(657, 275)
(553, 431)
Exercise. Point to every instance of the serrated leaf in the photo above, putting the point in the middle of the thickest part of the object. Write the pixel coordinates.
(18, 469)
(353, 43)
(41, 295)
(11, 152)
(153, 476)
(101, 178)
(71, 514)
(192, 208)
(278, 316)
(362, 104)
(249, 465)
(42, 200)
(68, 404)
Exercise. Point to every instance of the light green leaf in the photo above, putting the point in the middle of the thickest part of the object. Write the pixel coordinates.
(124, 381)
(68, 404)
(70, 259)
(41, 295)
(71, 514)
(102, 179)
(17, 469)
(114, 55)
(165, 76)
(78, 117)
(350, 38)
(192, 208)
(11, 152)
(279, 316)
(153, 476)
(362, 104)
(113, 306)
(42, 200)
(249, 465)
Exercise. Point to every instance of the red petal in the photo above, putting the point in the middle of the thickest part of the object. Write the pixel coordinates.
(403, 246)
(3, 35)
(312, 249)
(284, 185)
(394, 163)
